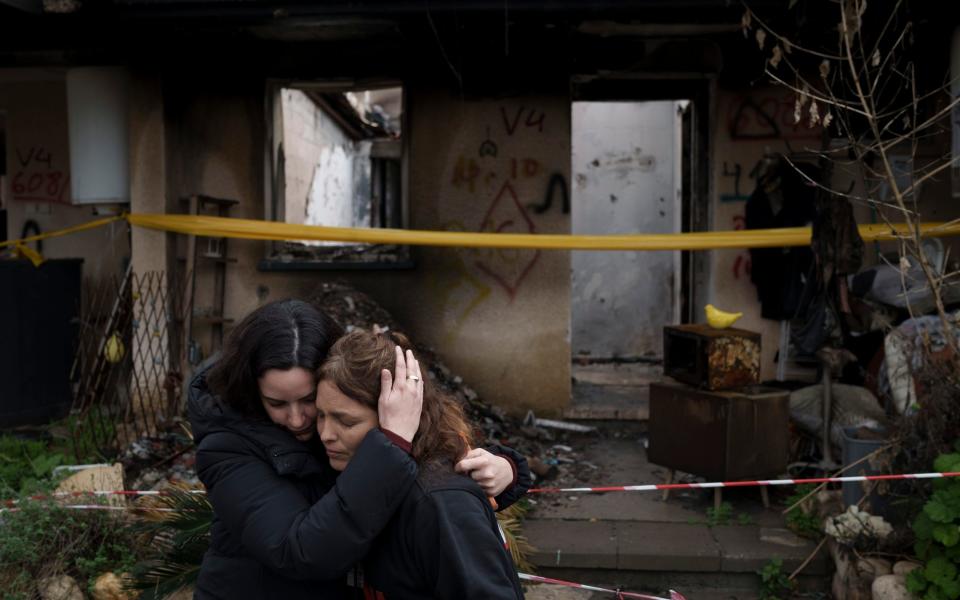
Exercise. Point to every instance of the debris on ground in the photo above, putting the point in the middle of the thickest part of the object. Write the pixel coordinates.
(855, 524)
(532, 420)
(161, 461)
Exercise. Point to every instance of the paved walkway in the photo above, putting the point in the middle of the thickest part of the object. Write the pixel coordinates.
(612, 391)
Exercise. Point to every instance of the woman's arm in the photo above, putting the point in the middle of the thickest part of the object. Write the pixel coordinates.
(276, 524)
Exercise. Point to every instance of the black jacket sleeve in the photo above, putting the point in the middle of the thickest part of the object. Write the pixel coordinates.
(459, 550)
(524, 478)
(276, 524)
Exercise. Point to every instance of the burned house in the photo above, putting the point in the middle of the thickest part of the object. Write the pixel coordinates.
(501, 117)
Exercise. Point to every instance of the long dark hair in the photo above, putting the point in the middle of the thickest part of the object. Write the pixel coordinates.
(354, 364)
(280, 335)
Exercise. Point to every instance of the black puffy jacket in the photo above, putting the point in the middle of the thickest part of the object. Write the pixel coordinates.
(286, 525)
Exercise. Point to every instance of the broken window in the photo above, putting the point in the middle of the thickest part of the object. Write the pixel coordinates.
(337, 159)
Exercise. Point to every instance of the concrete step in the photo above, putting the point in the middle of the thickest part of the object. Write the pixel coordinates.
(609, 402)
(643, 554)
(697, 586)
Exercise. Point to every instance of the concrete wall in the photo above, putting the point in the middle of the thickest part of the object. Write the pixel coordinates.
(38, 173)
(626, 179)
(499, 318)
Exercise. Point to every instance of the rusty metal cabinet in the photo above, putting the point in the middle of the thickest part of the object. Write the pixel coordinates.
(712, 359)
(719, 435)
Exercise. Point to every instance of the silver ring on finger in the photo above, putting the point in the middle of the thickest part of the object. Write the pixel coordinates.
(413, 377)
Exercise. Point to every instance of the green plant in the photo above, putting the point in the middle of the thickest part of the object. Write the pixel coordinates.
(179, 536)
(744, 519)
(800, 520)
(937, 531)
(86, 438)
(24, 464)
(720, 515)
(42, 538)
(774, 583)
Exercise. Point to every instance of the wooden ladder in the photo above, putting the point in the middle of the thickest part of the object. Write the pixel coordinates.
(209, 257)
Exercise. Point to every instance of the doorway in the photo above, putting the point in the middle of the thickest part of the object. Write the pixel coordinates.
(627, 169)
(630, 175)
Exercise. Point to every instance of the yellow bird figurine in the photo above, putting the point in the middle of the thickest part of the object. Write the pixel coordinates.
(719, 319)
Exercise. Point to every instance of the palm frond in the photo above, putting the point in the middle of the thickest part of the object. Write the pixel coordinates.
(511, 521)
(180, 535)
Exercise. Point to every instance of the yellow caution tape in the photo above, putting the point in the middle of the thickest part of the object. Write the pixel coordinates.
(64, 231)
(24, 251)
(711, 240)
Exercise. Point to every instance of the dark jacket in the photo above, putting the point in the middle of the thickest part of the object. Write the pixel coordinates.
(275, 524)
(444, 542)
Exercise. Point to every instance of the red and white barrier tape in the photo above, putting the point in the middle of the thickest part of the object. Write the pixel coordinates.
(722, 484)
(101, 493)
(99, 507)
(620, 594)
(615, 488)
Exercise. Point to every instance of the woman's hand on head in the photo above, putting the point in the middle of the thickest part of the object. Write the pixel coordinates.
(491, 472)
(401, 396)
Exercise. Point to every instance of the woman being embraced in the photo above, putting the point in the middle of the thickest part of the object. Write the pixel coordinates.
(444, 540)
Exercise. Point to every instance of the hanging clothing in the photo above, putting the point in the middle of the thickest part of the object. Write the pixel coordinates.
(782, 198)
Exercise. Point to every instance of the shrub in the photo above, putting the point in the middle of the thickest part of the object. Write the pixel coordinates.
(937, 531)
(41, 539)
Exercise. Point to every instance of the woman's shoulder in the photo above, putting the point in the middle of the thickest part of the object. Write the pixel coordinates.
(441, 482)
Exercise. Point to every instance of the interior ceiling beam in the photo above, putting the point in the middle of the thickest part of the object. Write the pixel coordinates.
(614, 29)
(30, 6)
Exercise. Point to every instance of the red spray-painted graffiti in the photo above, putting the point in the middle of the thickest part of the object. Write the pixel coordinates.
(741, 264)
(508, 268)
(467, 172)
(37, 179)
(492, 173)
(767, 117)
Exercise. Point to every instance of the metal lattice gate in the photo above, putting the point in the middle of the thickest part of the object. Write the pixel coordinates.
(126, 379)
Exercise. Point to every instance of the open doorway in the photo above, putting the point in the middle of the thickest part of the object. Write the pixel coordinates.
(630, 175)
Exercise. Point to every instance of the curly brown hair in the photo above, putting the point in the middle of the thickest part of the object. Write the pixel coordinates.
(354, 365)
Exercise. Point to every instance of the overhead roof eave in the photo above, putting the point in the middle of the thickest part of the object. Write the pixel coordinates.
(29, 6)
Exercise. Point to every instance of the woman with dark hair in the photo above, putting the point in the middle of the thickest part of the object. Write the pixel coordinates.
(444, 541)
(285, 524)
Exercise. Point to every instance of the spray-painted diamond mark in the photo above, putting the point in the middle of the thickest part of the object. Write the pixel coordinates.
(508, 267)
